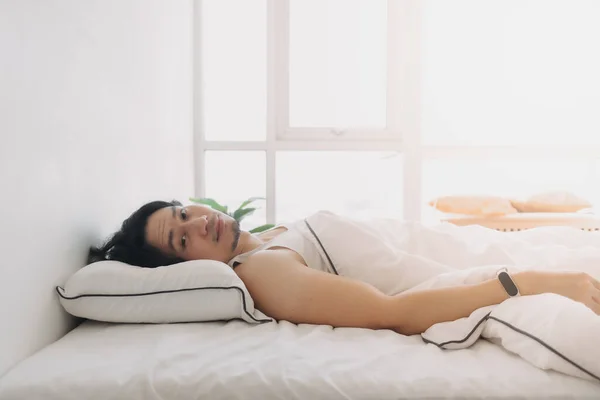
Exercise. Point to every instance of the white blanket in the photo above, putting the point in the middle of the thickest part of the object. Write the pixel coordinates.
(549, 331)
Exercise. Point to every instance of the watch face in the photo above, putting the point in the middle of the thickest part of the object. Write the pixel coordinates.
(508, 284)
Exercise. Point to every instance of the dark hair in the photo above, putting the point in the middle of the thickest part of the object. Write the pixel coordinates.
(129, 244)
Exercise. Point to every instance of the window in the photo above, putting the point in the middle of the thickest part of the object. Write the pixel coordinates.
(337, 65)
(233, 62)
(337, 58)
(353, 183)
(372, 107)
(307, 89)
(500, 72)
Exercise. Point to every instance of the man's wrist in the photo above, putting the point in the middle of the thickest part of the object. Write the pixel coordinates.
(526, 282)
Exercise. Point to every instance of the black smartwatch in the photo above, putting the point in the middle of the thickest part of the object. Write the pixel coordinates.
(507, 282)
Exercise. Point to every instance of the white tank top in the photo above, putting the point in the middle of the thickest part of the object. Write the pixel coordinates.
(294, 238)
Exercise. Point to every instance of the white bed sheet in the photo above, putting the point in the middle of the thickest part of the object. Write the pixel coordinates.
(236, 360)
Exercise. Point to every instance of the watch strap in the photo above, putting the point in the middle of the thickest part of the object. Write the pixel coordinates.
(508, 283)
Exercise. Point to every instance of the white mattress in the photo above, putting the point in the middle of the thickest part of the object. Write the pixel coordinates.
(236, 360)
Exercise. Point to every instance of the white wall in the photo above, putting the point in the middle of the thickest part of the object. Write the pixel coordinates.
(95, 119)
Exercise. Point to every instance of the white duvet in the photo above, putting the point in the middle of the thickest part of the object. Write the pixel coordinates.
(549, 331)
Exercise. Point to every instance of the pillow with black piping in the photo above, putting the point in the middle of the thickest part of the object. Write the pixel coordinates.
(191, 291)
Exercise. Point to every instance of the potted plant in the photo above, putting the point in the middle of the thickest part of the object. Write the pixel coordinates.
(238, 214)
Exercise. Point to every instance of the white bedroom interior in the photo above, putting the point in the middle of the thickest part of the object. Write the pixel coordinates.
(365, 108)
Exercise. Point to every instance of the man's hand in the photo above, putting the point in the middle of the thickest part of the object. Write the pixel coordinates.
(577, 286)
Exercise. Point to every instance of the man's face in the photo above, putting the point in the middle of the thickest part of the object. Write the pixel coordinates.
(194, 232)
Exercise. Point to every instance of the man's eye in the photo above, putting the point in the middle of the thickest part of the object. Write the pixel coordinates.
(183, 241)
(183, 214)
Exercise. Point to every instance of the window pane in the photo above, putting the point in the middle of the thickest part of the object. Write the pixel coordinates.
(233, 46)
(338, 63)
(234, 176)
(505, 178)
(358, 184)
(511, 72)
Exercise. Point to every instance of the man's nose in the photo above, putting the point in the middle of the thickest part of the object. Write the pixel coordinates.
(199, 223)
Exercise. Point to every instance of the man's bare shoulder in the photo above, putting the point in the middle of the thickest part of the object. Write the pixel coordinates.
(270, 256)
(268, 266)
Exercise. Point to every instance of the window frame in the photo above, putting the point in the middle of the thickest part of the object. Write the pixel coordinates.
(278, 31)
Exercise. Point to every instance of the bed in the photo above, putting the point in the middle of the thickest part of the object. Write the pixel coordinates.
(235, 360)
(238, 360)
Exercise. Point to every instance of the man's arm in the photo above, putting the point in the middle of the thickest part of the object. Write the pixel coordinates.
(287, 290)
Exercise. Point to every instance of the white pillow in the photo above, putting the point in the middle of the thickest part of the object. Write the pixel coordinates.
(191, 291)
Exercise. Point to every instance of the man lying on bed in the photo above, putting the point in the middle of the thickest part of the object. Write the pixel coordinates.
(273, 266)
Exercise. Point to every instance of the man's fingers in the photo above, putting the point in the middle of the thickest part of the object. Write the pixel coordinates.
(596, 308)
(595, 303)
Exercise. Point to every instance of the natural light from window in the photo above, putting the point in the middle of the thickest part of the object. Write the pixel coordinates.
(506, 102)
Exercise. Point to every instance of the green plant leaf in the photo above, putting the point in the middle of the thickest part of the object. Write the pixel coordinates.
(250, 200)
(240, 213)
(261, 228)
(210, 202)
